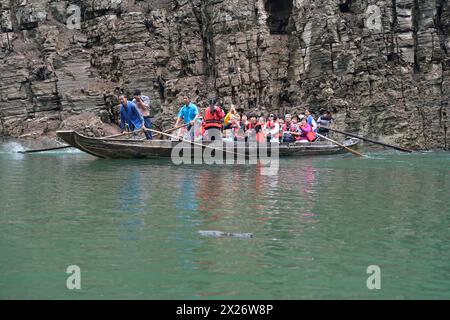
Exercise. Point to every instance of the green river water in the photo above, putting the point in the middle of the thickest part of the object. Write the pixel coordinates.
(133, 227)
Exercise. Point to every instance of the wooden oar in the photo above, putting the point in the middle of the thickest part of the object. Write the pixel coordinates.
(356, 153)
(69, 146)
(176, 128)
(121, 134)
(46, 149)
(369, 140)
(115, 135)
(192, 142)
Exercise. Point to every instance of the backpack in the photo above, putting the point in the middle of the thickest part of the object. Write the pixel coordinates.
(311, 136)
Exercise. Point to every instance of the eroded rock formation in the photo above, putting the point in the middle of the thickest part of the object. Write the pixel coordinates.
(382, 66)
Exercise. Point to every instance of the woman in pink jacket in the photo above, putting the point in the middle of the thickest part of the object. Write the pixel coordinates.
(306, 132)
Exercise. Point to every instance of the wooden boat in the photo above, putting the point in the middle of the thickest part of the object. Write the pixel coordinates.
(111, 148)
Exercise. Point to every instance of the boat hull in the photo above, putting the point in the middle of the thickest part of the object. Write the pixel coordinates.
(157, 149)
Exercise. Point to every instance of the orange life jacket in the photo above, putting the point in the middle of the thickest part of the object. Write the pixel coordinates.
(213, 120)
(260, 137)
(270, 124)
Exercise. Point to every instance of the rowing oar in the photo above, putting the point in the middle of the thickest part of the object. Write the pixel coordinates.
(116, 135)
(356, 153)
(121, 134)
(176, 128)
(192, 142)
(69, 146)
(369, 140)
(47, 149)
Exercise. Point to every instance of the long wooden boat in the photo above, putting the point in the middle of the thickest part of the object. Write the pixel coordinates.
(110, 148)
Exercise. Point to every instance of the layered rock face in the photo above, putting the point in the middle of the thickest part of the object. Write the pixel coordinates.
(382, 67)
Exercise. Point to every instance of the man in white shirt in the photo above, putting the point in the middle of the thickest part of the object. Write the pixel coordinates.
(143, 103)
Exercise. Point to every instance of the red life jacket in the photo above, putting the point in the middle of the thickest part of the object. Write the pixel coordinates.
(290, 129)
(250, 126)
(213, 120)
(270, 124)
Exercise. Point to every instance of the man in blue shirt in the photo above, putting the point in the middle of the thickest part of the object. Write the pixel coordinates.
(129, 115)
(189, 113)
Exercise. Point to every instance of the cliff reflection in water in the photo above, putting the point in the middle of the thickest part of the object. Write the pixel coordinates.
(132, 226)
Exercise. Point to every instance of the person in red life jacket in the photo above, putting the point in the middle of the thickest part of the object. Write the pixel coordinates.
(213, 121)
(235, 126)
(280, 129)
(244, 122)
(295, 121)
(288, 129)
(250, 129)
(203, 127)
(251, 123)
(272, 129)
(259, 129)
(270, 122)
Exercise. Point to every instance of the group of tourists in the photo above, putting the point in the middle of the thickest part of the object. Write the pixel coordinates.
(215, 124)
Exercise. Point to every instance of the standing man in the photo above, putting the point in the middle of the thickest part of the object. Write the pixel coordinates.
(129, 115)
(324, 123)
(213, 121)
(188, 113)
(143, 103)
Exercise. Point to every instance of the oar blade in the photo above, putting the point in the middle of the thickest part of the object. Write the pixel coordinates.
(356, 153)
(371, 140)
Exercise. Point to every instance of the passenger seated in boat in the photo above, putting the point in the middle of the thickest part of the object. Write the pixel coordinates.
(259, 129)
(305, 133)
(272, 129)
(288, 128)
(237, 133)
(143, 103)
(280, 129)
(295, 122)
(250, 132)
(226, 120)
(244, 122)
(130, 117)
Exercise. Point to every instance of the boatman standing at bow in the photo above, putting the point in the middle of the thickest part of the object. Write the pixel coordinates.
(143, 103)
(188, 113)
(129, 115)
(213, 121)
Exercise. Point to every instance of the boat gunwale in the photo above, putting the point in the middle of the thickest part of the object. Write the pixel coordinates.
(165, 145)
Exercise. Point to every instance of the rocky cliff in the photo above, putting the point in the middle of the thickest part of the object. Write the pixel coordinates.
(382, 66)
